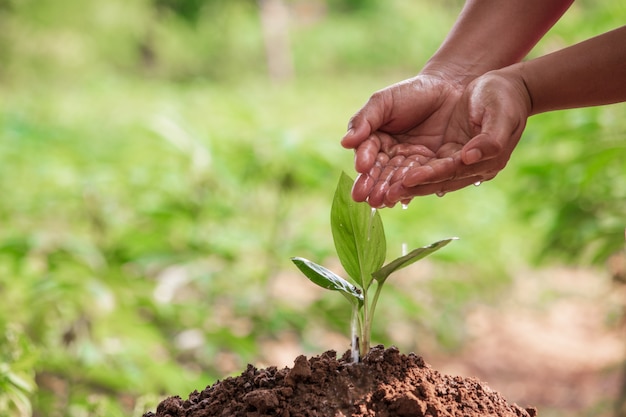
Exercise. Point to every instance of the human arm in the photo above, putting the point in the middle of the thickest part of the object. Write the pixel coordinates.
(487, 35)
(492, 113)
(492, 34)
(590, 73)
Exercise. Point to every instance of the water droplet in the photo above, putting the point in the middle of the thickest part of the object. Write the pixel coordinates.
(477, 183)
(371, 223)
(405, 248)
(440, 193)
(405, 206)
(354, 330)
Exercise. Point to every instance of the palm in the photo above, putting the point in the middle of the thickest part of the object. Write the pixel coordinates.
(490, 116)
(412, 134)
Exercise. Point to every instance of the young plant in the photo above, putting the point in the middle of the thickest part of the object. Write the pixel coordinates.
(361, 246)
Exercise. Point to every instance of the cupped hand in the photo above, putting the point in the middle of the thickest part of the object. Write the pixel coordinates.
(459, 139)
(400, 127)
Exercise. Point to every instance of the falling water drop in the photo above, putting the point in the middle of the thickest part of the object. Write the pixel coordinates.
(371, 223)
(354, 331)
(405, 206)
(477, 183)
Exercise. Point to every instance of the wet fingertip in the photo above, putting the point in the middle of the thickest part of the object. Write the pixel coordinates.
(362, 162)
(417, 176)
(362, 187)
(376, 198)
(350, 139)
(358, 197)
(395, 192)
(411, 181)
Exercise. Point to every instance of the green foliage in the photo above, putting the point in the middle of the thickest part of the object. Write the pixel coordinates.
(153, 185)
(17, 382)
(360, 243)
(327, 279)
(402, 262)
(578, 187)
(358, 235)
(190, 10)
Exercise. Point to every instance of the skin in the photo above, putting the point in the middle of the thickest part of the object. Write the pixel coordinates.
(458, 121)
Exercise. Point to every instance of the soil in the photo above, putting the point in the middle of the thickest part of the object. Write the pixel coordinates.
(385, 383)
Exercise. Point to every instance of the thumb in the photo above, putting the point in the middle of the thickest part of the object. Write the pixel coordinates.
(367, 120)
(497, 132)
(479, 148)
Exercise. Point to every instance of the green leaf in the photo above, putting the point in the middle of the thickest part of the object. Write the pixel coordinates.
(406, 260)
(20, 400)
(358, 234)
(19, 382)
(325, 278)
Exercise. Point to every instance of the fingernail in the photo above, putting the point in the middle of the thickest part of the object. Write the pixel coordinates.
(472, 156)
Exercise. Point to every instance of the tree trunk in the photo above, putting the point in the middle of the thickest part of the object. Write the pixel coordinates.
(275, 25)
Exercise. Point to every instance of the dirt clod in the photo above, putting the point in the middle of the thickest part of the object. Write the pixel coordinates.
(386, 383)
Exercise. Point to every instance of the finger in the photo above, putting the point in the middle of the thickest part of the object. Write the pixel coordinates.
(395, 193)
(365, 154)
(412, 150)
(358, 131)
(481, 147)
(378, 192)
(435, 171)
(376, 198)
(498, 133)
(367, 120)
(362, 187)
(365, 182)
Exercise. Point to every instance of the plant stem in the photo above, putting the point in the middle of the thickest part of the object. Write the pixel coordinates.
(367, 331)
(355, 333)
(364, 339)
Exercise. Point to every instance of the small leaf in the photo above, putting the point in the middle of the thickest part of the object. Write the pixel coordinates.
(406, 260)
(325, 278)
(358, 234)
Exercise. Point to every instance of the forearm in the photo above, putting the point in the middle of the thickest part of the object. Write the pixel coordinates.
(587, 74)
(491, 34)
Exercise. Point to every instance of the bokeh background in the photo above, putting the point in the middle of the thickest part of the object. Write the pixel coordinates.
(161, 161)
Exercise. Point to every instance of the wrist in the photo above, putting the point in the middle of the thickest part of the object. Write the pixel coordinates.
(515, 77)
(458, 73)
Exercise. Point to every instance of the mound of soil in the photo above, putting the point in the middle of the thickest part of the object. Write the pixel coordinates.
(386, 383)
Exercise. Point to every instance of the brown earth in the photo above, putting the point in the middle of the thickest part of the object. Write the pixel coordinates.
(385, 383)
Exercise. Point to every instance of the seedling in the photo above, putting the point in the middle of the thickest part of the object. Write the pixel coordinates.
(361, 246)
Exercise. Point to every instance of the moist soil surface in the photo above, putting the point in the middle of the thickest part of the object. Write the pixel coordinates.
(385, 383)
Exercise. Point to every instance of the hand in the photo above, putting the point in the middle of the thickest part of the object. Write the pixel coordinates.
(450, 148)
(399, 127)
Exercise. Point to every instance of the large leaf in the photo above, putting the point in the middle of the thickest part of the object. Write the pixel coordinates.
(406, 260)
(326, 278)
(358, 234)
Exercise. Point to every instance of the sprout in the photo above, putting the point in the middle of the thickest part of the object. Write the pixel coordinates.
(361, 246)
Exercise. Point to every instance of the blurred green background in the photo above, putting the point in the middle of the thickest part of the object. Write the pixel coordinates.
(161, 161)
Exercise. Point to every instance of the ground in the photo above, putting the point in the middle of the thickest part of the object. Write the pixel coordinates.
(385, 383)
